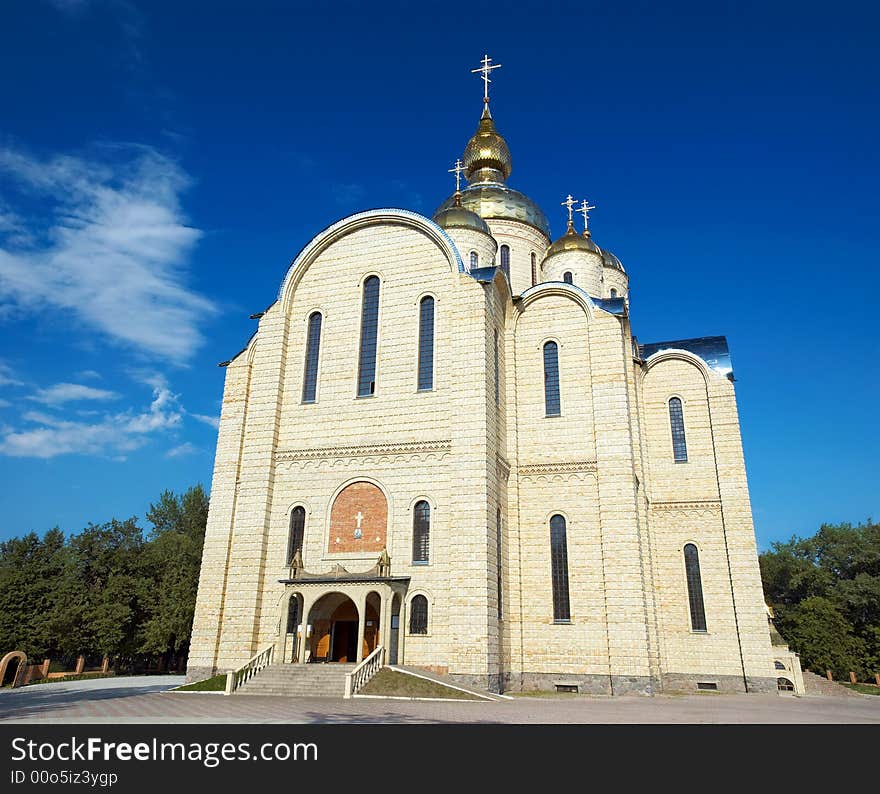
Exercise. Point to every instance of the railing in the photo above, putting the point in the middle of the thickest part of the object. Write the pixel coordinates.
(358, 678)
(235, 678)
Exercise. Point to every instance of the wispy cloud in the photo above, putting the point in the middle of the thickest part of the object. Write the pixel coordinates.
(182, 450)
(88, 373)
(346, 193)
(113, 435)
(5, 404)
(110, 249)
(8, 376)
(69, 392)
(213, 421)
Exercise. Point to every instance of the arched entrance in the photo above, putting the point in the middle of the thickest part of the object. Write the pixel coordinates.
(11, 667)
(336, 628)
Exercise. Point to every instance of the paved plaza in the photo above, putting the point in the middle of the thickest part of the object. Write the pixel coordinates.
(145, 699)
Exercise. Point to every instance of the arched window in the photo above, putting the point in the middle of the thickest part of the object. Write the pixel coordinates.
(426, 344)
(695, 587)
(497, 374)
(567, 278)
(559, 569)
(421, 531)
(297, 532)
(613, 293)
(505, 260)
(551, 379)
(534, 269)
(676, 422)
(418, 615)
(313, 345)
(369, 333)
(498, 560)
(475, 260)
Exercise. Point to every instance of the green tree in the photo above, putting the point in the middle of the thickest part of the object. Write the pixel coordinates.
(171, 565)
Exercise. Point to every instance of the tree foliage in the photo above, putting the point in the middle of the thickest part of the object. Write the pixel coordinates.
(107, 590)
(825, 593)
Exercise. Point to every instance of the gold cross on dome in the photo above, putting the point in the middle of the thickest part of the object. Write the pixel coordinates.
(569, 202)
(584, 210)
(484, 70)
(458, 170)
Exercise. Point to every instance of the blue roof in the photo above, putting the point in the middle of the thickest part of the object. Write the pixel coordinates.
(712, 349)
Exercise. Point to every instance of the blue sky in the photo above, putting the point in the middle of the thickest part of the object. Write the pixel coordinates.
(162, 163)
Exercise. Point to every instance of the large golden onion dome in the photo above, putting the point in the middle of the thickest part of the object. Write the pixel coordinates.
(487, 165)
(486, 156)
(572, 241)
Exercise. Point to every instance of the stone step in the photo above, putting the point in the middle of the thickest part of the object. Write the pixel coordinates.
(298, 680)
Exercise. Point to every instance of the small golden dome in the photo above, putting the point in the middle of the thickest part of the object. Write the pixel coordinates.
(486, 156)
(457, 217)
(572, 241)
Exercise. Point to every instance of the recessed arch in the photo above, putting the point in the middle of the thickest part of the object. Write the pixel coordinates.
(558, 288)
(358, 518)
(361, 220)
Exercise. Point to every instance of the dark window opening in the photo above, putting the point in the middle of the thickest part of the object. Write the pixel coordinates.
(676, 422)
(421, 531)
(313, 345)
(551, 379)
(695, 587)
(426, 344)
(418, 615)
(559, 568)
(369, 335)
(296, 532)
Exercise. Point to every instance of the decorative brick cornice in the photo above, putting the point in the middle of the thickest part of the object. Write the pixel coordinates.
(561, 467)
(704, 504)
(364, 451)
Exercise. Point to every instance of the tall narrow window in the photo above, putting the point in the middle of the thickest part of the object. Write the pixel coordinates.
(613, 293)
(534, 270)
(297, 532)
(676, 422)
(551, 379)
(497, 387)
(426, 344)
(369, 332)
(695, 587)
(498, 564)
(567, 277)
(559, 568)
(421, 531)
(418, 615)
(505, 260)
(313, 346)
(475, 260)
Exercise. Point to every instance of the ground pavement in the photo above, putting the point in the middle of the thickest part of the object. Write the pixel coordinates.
(145, 699)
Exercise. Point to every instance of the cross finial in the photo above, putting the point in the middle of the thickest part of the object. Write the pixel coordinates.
(484, 71)
(458, 170)
(569, 202)
(584, 210)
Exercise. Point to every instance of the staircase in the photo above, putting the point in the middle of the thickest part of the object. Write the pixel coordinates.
(817, 685)
(299, 680)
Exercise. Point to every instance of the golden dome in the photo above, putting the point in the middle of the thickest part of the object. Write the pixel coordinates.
(486, 156)
(457, 217)
(500, 201)
(572, 241)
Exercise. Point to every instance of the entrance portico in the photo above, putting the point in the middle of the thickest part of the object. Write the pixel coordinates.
(340, 616)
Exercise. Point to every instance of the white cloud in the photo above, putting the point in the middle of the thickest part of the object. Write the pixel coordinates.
(5, 404)
(88, 373)
(113, 435)
(213, 421)
(112, 250)
(8, 376)
(68, 392)
(181, 449)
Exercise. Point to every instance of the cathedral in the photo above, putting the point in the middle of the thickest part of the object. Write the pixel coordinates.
(444, 448)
